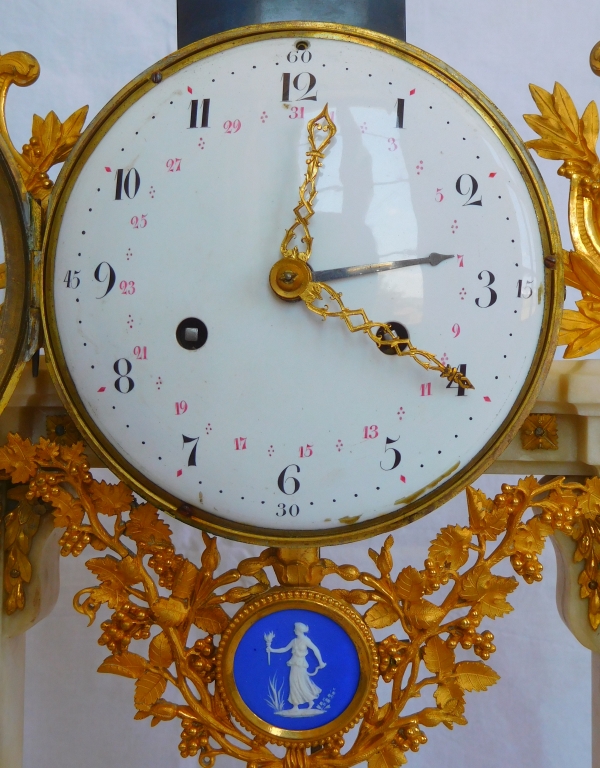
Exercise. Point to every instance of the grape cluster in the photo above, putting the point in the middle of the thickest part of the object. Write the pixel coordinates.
(411, 737)
(433, 577)
(334, 745)
(202, 658)
(562, 517)
(391, 650)
(129, 623)
(511, 498)
(193, 738)
(165, 563)
(73, 541)
(465, 634)
(528, 566)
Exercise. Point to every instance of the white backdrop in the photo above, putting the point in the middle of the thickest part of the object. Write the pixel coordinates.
(539, 713)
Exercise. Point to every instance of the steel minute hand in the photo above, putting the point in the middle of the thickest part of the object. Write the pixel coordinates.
(383, 266)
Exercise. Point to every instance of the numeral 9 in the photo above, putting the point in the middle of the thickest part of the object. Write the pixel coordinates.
(111, 277)
(456, 330)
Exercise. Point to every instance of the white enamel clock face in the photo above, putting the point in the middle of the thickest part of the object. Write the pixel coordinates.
(279, 420)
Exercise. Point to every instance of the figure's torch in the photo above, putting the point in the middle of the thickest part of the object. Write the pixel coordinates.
(268, 640)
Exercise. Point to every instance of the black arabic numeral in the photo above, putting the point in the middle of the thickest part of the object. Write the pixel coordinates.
(493, 294)
(111, 277)
(395, 451)
(293, 511)
(123, 377)
(192, 456)
(400, 113)
(282, 480)
(304, 57)
(461, 390)
(300, 85)
(468, 187)
(71, 278)
(127, 183)
(524, 289)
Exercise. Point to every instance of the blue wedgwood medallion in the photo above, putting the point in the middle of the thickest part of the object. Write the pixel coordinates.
(296, 669)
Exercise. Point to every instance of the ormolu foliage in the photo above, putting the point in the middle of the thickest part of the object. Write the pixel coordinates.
(566, 137)
(151, 592)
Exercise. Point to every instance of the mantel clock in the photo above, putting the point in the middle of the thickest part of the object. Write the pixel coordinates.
(166, 287)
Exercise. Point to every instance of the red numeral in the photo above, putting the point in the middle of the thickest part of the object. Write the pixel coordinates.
(127, 288)
(240, 443)
(180, 407)
(139, 222)
(174, 165)
(296, 112)
(370, 433)
(232, 126)
(306, 451)
(426, 389)
(439, 196)
(139, 353)
(393, 146)
(460, 260)
(456, 329)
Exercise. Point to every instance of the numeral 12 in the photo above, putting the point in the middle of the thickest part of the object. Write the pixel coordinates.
(194, 113)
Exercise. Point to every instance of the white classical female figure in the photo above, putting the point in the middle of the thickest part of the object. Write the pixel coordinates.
(302, 688)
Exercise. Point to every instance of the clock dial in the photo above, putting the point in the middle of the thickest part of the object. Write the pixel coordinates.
(199, 384)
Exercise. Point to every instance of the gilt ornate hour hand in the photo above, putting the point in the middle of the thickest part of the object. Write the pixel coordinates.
(291, 278)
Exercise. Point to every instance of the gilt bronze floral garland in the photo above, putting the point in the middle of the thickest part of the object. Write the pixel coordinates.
(152, 592)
